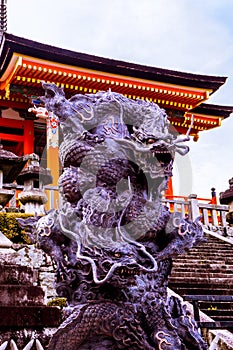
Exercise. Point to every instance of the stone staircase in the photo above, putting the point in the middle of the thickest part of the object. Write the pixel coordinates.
(206, 270)
(22, 310)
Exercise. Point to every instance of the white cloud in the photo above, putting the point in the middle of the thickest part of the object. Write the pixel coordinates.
(177, 34)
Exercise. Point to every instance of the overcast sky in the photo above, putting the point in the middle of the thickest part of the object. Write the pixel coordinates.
(186, 35)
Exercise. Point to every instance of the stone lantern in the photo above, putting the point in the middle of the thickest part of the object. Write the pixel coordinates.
(34, 178)
(10, 166)
(227, 198)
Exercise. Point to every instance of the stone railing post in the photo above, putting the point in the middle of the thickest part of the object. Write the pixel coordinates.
(194, 207)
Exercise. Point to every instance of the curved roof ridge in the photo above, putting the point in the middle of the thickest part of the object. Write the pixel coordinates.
(32, 48)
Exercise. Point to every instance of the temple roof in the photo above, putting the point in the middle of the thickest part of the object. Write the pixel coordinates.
(214, 110)
(12, 43)
(24, 64)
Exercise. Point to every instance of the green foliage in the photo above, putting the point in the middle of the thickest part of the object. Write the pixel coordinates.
(11, 229)
(61, 302)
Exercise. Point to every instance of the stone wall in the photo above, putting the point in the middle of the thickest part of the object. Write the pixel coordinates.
(26, 285)
(35, 258)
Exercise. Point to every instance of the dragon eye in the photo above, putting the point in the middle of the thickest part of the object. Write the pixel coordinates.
(117, 255)
(150, 141)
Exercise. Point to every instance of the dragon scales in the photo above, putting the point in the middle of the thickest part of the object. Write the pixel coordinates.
(112, 239)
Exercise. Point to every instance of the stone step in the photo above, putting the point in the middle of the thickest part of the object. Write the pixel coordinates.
(202, 281)
(212, 242)
(201, 255)
(194, 290)
(212, 239)
(195, 267)
(211, 265)
(208, 255)
(29, 316)
(190, 261)
(16, 274)
(203, 268)
(221, 312)
(204, 275)
(207, 277)
(21, 295)
(217, 246)
(198, 269)
(201, 265)
(217, 255)
(197, 257)
(209, 248)
(218, 243)
(213, 247)
(223, 318)
(216, 304)
(208, 282)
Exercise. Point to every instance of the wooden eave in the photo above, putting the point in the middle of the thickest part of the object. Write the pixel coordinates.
(24, 62)
(213, 110)
(30, 72)
(202, 119)
(12, 43)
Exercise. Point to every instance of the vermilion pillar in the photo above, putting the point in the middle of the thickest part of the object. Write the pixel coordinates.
(28, 137)
(169, 191)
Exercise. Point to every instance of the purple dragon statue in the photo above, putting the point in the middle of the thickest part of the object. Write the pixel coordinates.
(112, 239)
